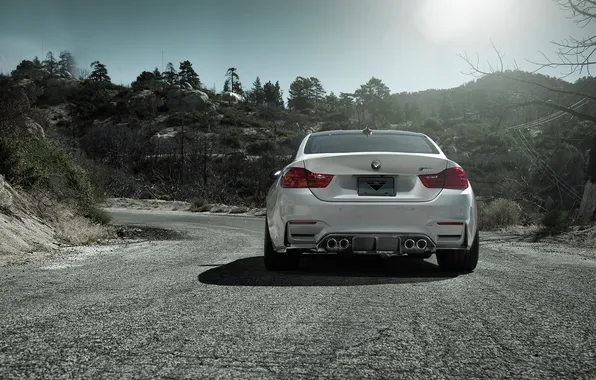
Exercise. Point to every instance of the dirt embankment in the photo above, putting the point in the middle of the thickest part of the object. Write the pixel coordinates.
(31, 224)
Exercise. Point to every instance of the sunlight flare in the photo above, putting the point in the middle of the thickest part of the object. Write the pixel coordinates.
(453, 20)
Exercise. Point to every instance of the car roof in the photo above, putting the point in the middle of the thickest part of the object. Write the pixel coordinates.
(359, 131)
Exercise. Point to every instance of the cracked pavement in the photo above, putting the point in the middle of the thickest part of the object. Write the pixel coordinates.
(203, 306)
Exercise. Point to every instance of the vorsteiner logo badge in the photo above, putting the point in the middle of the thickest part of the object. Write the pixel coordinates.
(376, 165)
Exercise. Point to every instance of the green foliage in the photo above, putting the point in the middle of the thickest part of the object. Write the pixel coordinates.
(27, 69)
(99, 73)
(305, 93)
(499, 213)
(194, 118)
(199, 204)
(146, 76)
(66, 63)
(260, 147)
(231, 140)
(258, 94)
(50, 63)
(171, 75)
(39, 164)
(232, 83)
(432, 124)
(188, 75)
(273, 95)
(556, 221)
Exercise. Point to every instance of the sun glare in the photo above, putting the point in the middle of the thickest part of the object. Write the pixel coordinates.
(453, 20)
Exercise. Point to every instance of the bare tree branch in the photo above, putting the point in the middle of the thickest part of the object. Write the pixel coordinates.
(558, 107)
(478, 72)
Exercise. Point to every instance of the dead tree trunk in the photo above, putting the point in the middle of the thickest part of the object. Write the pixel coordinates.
(587, 208)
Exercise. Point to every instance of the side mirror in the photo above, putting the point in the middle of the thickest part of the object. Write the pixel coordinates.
(274, 173)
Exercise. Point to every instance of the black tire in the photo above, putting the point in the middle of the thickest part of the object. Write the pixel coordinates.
(275, 261)
(460, 261)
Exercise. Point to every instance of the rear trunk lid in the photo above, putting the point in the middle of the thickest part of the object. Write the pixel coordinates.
(375, 177)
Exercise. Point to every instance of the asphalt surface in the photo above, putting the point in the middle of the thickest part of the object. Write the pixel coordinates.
(203, 306)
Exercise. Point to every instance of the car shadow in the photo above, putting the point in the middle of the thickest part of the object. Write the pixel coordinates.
(326, 271)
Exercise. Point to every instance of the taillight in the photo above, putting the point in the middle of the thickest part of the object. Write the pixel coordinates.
(452, 178)
(302, 178)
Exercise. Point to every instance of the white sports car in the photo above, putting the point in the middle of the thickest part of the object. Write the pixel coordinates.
(389, 193)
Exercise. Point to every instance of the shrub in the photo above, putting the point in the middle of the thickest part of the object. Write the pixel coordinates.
(199, 204)
(555, 221)
(499, 213)
(260, 147)
(41, 165)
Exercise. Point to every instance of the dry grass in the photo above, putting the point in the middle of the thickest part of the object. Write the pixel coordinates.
(77, 230)
(498, 214)
(146, 204)
(32, 222)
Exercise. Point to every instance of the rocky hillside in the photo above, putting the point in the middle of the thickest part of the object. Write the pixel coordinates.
(46, 199)
(168, 137)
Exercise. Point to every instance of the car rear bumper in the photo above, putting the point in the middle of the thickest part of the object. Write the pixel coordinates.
(298, 220)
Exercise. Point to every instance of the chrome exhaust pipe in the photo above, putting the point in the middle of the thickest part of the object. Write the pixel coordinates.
(409, 244)
(331, 243)
(344, 243)
(421, 244)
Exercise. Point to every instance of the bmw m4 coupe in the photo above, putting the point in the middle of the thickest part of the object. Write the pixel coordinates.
(371, 192)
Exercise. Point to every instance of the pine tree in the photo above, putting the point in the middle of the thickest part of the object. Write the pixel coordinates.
(99, 73)
(233, 81)
(346, 103)
(188, 75)
(171, 75)
(279, 95)
(258, 94)
(331, 102)
(237, 89)
(37, 64)
(270, 94)
(50, 64)
(157, 74)
(67, 63)
(146, 76)
(318, 92)
(301, 94)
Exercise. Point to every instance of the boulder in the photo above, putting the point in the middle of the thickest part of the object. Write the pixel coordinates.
(32, 128)
(164, 141)
(232, 97)
(185, 100)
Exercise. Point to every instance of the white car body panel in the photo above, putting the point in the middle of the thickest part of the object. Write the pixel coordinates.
(447, 218)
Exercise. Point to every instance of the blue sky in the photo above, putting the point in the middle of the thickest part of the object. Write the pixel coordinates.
(410, 44)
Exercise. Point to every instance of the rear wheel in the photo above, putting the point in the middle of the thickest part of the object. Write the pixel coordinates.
(278, 261)
(460, 261)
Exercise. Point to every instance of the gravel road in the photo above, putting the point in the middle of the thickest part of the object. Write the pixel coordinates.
(201, 305)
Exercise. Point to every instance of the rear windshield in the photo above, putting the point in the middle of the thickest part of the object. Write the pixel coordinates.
(377, 142)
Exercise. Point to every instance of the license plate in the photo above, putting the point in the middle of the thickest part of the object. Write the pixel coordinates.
(376, 186)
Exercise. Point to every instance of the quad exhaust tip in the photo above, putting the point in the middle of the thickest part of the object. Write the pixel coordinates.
(331, 243)
(421, 244)
(344, 243)
(409, 244)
